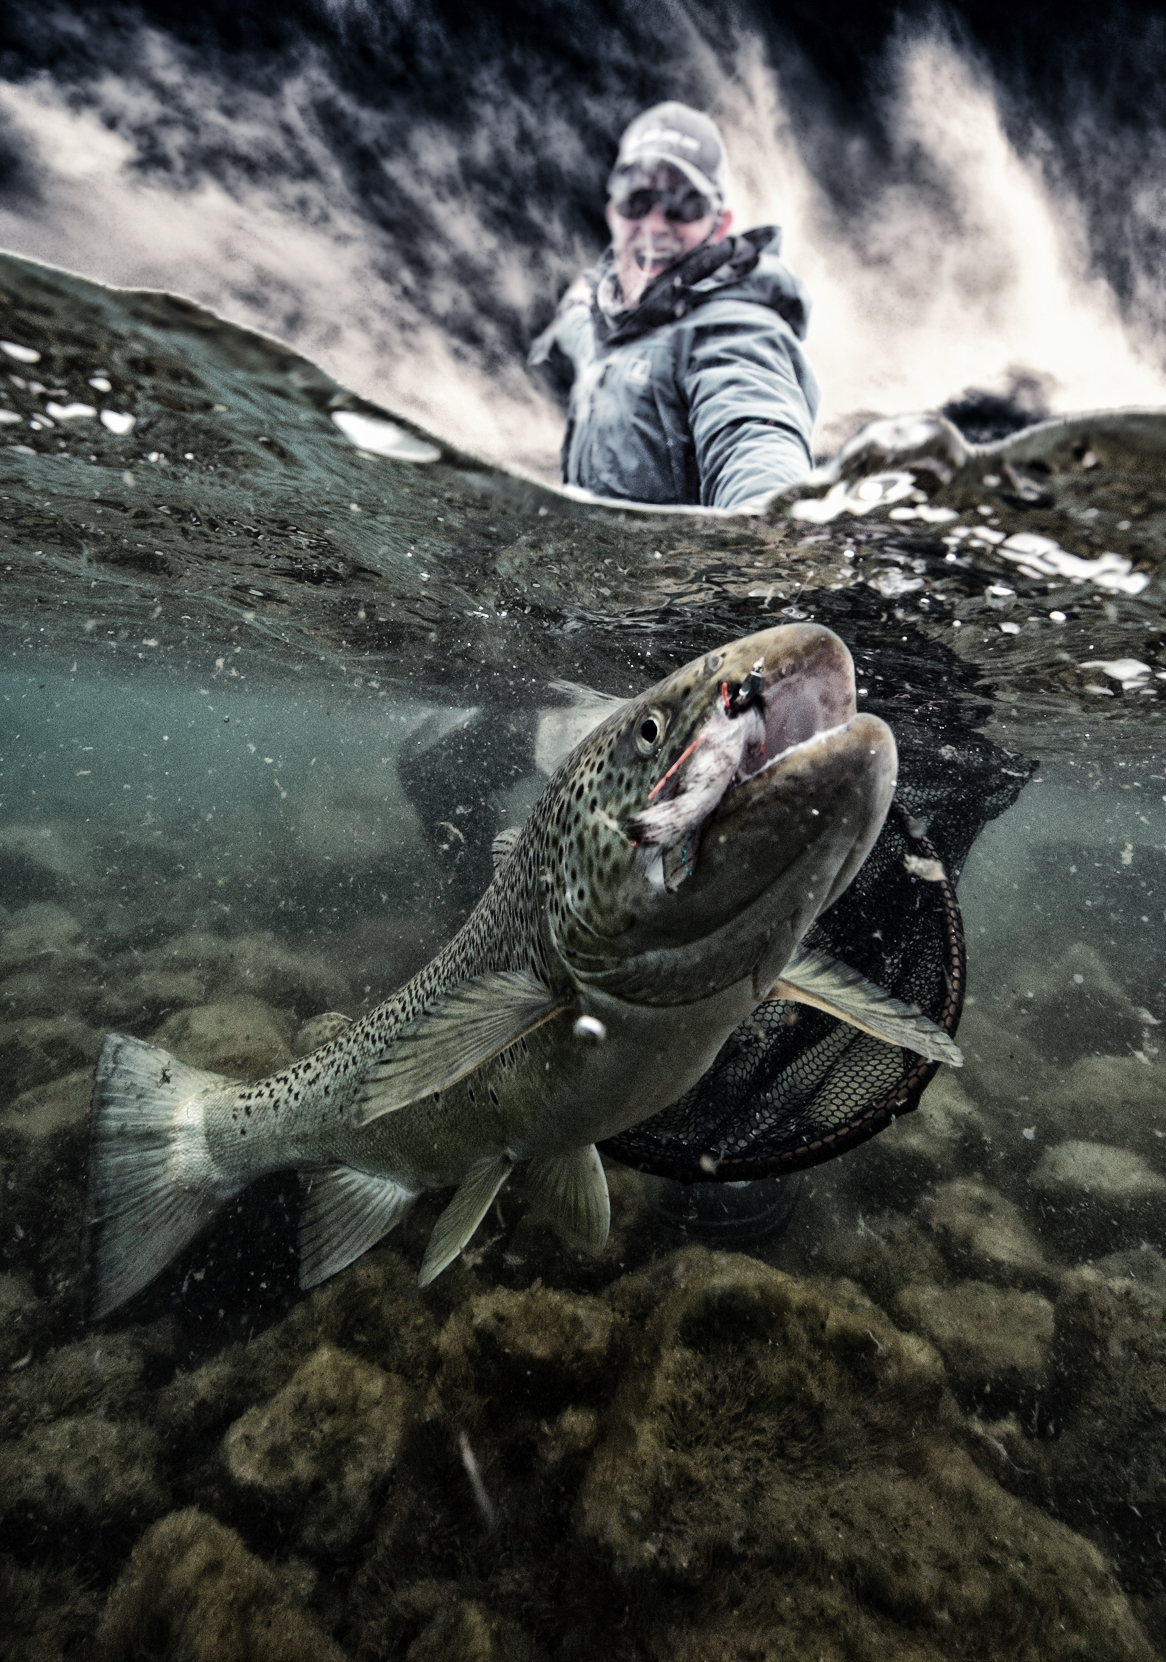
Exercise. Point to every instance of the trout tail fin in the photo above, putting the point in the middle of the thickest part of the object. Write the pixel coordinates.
(152, 1182)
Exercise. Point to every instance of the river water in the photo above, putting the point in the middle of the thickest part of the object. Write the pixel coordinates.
(270, 682)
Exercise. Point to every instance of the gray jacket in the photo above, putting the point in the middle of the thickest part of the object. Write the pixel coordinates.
(699, 394)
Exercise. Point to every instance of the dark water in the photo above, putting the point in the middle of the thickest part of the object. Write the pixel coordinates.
(266, 699)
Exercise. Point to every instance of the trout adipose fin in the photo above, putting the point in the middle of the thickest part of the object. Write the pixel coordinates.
(466, 1028)
(817, 979)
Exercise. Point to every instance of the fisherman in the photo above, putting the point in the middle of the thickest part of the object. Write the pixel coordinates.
(689, 381)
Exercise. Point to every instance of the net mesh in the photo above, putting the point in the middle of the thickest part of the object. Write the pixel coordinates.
(792, 1086)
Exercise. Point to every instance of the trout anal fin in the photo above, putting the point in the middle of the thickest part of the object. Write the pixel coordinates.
(816, 979)
(343, 1213)
(571, 1191)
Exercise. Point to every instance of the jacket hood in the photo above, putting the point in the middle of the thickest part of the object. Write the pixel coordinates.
(745, 264)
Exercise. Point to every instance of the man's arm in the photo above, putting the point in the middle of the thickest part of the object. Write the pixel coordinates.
(752, 401)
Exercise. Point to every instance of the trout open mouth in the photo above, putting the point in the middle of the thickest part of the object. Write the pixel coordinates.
(798, 694)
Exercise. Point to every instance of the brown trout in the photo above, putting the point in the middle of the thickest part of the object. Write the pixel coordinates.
(657, 893)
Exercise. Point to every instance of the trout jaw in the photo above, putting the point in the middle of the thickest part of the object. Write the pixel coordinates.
(777, 853)
(798, 690)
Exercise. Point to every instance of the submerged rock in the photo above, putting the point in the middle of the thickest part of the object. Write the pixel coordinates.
(23, 1322)
(1077, 1168)
(1118, 1097)
(41, 930)
(41, 1048)
(536, 1350)
(244, 1038)
(192, 1590)
(1105, 1469)
(931, 1140)
(991, 1338)
(765, 1426)
(1097, 1197)
(81, 1473)
(984, 1234)
(467, 1630)
(882, 1253)
(321, 1448)
(58, 1105)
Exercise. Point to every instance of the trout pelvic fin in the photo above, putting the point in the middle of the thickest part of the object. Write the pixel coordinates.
(152, 1183)
(571, 1191)
(817, 979)
(462, 1216)
(465, 1028)
(344, 1212)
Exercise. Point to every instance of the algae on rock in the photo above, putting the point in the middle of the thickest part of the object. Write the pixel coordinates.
(321, 1448)
(193, 1592)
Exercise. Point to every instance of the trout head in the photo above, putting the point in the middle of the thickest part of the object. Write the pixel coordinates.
(697, 833)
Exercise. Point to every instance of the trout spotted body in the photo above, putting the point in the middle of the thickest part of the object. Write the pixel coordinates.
(656, 894)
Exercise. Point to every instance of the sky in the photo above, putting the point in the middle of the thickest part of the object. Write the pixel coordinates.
(974, 196)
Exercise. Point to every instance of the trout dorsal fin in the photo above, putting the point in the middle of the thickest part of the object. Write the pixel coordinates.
(503, 845)
(463, 1215)
(467, 1026)
(817, 979)
(571, 1191)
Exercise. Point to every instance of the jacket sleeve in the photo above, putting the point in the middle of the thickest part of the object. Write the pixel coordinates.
(752, 399)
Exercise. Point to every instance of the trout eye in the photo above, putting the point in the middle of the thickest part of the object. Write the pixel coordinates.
(650, 731)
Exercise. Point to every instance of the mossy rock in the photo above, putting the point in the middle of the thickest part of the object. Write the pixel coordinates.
(243, 1037)
(82, 1473)
(373, 1310)
(319, 1451)
(778, 1439)
(191, 1592)
(466, 1631)
(535, 1351)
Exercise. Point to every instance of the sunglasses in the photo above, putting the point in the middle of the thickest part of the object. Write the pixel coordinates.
(682, 202)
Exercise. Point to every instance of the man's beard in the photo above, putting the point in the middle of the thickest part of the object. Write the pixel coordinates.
(654, 253)
(644, 260)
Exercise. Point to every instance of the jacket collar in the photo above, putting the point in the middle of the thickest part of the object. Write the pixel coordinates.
(698, 277)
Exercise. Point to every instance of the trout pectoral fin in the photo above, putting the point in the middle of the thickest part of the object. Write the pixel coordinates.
(571, 1189)
(462, 1216)
(464, 1029)
(342, 1213)
(817, 979)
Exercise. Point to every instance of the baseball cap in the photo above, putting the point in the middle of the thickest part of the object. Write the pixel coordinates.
(681, 136)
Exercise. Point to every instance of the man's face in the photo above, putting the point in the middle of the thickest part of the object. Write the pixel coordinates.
(648, 245)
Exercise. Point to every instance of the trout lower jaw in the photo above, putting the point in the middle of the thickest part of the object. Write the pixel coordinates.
(767, 763)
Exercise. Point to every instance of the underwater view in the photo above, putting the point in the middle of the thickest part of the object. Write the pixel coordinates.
(869, 1360)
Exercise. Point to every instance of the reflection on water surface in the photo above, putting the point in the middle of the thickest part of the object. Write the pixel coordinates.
(266, 701)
